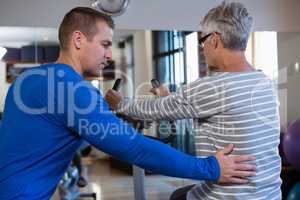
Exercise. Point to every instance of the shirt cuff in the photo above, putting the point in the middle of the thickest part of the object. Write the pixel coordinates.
(215, 168)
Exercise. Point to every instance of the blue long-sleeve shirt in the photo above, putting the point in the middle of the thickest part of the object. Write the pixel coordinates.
(49, 111)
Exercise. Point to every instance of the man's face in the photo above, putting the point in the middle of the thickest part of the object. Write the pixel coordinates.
(96, 53)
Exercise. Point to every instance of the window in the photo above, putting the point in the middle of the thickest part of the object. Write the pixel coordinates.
(192, 57)
(169, 57)
(176, 63)
(262, 53)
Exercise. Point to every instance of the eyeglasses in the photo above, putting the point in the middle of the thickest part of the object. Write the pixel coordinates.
(203, 39)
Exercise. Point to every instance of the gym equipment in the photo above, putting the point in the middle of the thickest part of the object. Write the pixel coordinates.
(139, 125)
(68, 188)
(294, 193)
(291, 144)
(155, 83)
(138, 173)
(117, 84)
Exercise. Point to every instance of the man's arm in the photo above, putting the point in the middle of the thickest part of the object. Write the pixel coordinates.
(106, 132)
(199, 99)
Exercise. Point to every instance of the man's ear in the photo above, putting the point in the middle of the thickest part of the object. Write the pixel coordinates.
(77, 38)
(218, 43)
(215, 40)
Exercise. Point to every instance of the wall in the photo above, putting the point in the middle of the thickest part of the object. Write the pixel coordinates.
(3, 85)
(143, 68)
(288, 55)
(143, 65)
(276, 15)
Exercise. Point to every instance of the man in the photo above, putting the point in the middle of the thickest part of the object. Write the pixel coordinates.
(235, 105)
(50, 110)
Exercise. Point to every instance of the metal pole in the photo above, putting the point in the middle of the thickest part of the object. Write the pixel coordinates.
(139, 183)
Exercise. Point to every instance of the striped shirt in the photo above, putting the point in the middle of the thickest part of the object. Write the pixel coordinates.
(238, 108)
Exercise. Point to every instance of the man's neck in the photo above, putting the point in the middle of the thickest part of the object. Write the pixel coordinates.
(234, 61)
(69, 59)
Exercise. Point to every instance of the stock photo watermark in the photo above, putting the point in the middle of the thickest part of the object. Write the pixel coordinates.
(197, 100)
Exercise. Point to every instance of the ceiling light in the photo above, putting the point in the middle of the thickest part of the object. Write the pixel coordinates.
(2, 52)
(111, 7)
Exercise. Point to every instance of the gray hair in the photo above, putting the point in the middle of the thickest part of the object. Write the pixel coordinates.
(232, 21)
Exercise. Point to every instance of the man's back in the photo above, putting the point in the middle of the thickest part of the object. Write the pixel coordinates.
(249, 119)
(49, 111)
(36, 148)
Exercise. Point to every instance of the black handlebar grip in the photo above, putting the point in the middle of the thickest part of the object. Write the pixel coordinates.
(155, 83)
(117, 84)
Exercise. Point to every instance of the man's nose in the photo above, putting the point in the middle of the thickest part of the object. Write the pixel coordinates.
(108, 54)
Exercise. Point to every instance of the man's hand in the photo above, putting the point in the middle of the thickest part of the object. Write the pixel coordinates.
(233, 168)
(161, 91)
(113, 99)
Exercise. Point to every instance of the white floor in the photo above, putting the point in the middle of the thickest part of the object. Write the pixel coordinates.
(113, 184)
